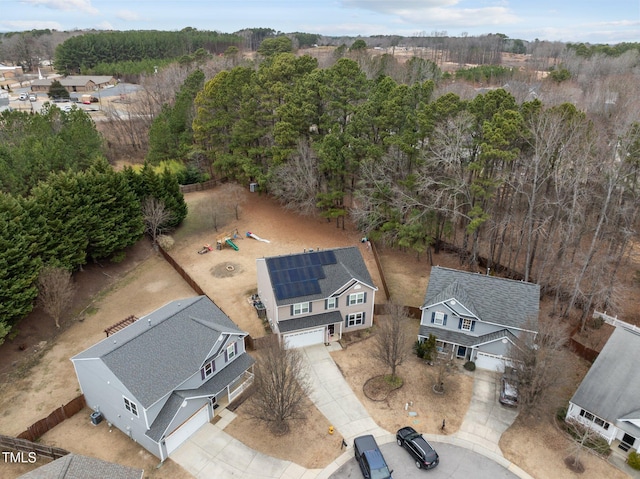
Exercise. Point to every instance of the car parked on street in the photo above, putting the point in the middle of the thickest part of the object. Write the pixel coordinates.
(370, 459)
(23, 97)
(424, 455)
(33, 97)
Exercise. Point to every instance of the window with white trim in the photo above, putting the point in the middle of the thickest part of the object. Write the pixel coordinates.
(595, 419)
(439, 318)
(209, 368)
(300, 308)
(130, 406)
(332, 303)
(356, 298)
(231, 352)
(466, 325)
(354, 319)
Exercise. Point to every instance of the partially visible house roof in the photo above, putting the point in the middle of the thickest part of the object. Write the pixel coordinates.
(492, 299)
(305, 322)
(465, 339)
(212, 387)
(73, 466)
(611, 387)
(315, 275)
(154, 355)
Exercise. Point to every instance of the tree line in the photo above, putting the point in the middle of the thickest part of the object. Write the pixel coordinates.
(544, 192)
(85, 52)
(62, 205)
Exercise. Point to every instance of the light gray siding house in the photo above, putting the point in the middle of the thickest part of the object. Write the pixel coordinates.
(161, 378)
(314, 297)
(608, 398)
(475, 317)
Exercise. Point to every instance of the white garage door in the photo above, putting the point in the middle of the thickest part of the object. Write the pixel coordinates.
(185, 431)
(304, 338)
(489, 361)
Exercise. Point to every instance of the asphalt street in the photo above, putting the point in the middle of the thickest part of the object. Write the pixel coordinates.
(455, 463)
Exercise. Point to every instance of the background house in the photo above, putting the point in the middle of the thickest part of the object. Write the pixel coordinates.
(79, 83)
(475, 317)
(161, 378)
(608, 398)
(316, 296)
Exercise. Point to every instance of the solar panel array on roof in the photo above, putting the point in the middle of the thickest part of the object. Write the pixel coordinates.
(298, 275)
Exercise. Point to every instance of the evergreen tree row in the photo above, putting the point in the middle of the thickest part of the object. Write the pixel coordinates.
(84, 52)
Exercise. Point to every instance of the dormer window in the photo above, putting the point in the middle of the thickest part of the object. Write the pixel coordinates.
(231, 352)
(208, 369)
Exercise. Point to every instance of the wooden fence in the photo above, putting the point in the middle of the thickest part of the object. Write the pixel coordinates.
(379, 265)
(180, 270)
(24, 445)
(205, 185)
(38, 428)
(412, 311)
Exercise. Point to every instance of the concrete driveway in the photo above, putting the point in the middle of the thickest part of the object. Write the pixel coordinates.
(211, 453)
(486, 418)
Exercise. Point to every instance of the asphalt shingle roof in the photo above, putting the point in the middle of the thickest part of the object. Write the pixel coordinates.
(154, 355)
(349, 265)
(73, 466)
(495, 300)
(611, 387)
(306, 322)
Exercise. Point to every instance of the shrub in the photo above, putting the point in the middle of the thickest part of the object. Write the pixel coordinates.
(419, 348)
(470, 366)
(166, 242)
(634, 460)
(561, 414)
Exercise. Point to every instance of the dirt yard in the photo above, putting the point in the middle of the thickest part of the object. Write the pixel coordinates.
(146, 282)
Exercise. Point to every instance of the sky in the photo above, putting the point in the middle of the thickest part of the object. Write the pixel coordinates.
(592, 21)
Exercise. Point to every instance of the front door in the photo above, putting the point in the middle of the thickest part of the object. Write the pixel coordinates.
(462, 352)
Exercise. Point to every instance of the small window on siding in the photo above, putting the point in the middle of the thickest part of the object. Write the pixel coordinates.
(331, 303)
(130, 406)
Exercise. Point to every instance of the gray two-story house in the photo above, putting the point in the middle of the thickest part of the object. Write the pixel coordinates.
(161, 378)
(314, 297)
(476, 317)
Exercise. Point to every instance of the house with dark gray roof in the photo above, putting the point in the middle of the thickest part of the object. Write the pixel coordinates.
(476, 317)
(74, 466)
(608, 398)
(315, 296)
(162, 377)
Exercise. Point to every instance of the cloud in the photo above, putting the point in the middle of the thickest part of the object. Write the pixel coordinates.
(24, 25)
(67, 5)
(104, 26)
(128, 15)
(439, 12)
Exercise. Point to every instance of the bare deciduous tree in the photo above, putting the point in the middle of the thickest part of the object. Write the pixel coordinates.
(55, 291)
(280, 387)
(392, 342)
(296, 182)
(155, 216)
(581, 437)
(538, 360)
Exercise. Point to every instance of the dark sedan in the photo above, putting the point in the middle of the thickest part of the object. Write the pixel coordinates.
(417, 446)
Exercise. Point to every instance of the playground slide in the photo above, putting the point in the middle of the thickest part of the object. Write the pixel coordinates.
(256, 237)
(232, 244)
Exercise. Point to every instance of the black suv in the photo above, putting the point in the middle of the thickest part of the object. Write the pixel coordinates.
(417, 446)
(370, 459)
